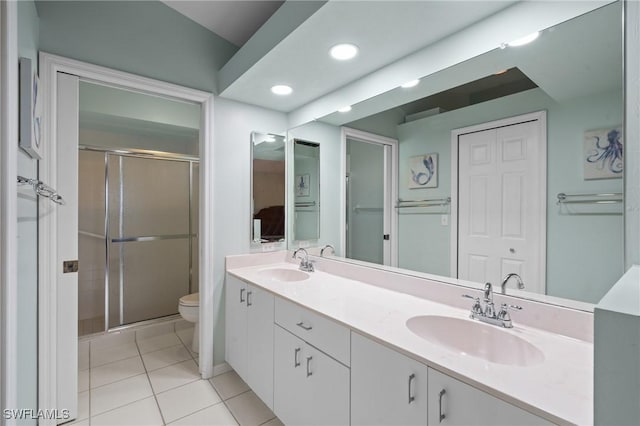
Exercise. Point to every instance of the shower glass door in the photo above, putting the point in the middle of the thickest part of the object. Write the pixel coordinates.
(149, 237)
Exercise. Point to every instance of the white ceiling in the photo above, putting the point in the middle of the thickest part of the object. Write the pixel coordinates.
(235, 21)
(385, 31)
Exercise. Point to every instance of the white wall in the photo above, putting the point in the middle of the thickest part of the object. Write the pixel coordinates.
(233, 124)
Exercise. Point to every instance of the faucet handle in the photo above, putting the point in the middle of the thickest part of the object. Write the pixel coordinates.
(504, 305)
(476, 308)
(468, 296)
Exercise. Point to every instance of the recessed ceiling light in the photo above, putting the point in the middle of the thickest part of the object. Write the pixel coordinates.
(409, 84)
(345, 109)
(523, 40)
(344, 51)
(281, 89)
(270, 138)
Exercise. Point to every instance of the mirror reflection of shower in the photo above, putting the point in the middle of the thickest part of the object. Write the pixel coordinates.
(138, 207)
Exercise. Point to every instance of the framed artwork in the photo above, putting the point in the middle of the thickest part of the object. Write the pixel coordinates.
(603, 153)
(302, 185)
(30, 110)
(423, 171)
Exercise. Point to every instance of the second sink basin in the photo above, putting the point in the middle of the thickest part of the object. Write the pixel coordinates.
(284, 274)
(475, 339)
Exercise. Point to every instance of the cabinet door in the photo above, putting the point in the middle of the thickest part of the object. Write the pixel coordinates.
(387, 388)
(461, 404)
(260, 343)
(289, 386)
(327, 389)
(236, 325)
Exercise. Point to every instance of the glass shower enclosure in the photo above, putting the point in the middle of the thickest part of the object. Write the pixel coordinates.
(138, 235)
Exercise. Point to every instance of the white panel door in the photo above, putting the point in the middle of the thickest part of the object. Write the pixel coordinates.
(67, 244)
(260, 307)
(500, 182)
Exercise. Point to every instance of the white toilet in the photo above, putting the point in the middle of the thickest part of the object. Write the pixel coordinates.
(189, 308)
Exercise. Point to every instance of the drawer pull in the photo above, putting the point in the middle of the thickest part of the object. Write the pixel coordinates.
(412, 397)
(304, 327)
(309, 372)
(296, 362)
(441, 413)
(241, 295)
(249, 293)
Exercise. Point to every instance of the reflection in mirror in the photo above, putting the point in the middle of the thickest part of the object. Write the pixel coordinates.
(267, 188)
(306, 164)
(570, 78)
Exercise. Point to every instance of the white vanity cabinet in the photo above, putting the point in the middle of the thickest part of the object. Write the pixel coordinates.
(310, 385)
(387, 388)
(249, 335)
(452, 402)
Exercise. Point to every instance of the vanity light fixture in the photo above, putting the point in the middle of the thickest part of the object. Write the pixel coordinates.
(345, 108)
(343, 51)
(281, 90)
(523, 40)
(409, 84)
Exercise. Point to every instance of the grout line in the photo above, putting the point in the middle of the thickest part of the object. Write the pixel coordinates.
(268, 420)
(89, 383)
(197, 411)
(153, 391)
(122, 406)
(231, 412)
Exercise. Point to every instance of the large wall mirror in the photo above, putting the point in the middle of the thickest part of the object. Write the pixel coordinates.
(268, 188)
(508, 162)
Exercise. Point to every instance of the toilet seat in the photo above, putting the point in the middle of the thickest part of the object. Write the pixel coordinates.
(190, 300)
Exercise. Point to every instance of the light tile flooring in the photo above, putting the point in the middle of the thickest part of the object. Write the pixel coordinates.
(150, 377)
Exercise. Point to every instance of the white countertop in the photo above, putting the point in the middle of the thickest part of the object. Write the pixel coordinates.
(560, 389)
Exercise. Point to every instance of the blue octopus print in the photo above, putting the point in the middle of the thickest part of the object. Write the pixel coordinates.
(608, 155)
(423, 178)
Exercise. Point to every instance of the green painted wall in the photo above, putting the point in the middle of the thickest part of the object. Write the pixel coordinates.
(27, 239)
(584, 252)
(146, 38)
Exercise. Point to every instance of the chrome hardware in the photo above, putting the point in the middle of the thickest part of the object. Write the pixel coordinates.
(488, 312)
(249, 293)
(305, 264)
(412, 378)
(441, 416)
(507, 278)
(328, 246)
(242, 300)
(304, 327)
(309, 372)
(296, 363)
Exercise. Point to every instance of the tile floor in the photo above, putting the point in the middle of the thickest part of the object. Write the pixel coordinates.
(150, 377)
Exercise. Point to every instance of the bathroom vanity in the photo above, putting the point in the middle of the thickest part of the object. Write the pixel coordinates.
(348, 344)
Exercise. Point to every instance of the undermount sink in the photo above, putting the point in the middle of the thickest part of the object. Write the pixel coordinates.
(284, 274)
(475, 339)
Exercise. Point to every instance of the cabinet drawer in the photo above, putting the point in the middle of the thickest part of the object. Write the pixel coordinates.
(321, 332)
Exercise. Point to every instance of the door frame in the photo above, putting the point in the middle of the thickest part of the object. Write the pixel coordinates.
(391, 170)
(541, 117)
(8, 206)
(50, 65)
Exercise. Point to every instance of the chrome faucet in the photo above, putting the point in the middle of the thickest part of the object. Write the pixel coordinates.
(487, 313)
(328, 246)
(508, 277)
(305, 264)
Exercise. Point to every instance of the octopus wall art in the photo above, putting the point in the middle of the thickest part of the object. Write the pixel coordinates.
(603, 153)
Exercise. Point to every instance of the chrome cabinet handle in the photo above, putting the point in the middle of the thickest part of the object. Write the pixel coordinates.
(296, 362)
(442, 415)
(249, 298)
(309, 372)
(412, 378)
(242, 290)
(305, 327)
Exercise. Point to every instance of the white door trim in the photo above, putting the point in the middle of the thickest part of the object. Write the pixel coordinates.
(392, 197)
(541, 116)
(8, 206)
(50, 65)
